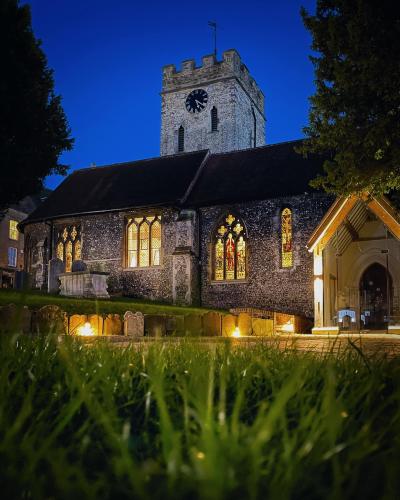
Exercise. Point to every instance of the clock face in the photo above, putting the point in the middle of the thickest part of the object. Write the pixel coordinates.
(196, 101)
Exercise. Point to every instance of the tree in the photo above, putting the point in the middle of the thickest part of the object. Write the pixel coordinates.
(355, 111)
(33, 127)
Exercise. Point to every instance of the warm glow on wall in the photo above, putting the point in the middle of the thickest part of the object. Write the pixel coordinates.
(86, 330)
(318, 290)
(288, 327)
(317, 264)
(236, 332)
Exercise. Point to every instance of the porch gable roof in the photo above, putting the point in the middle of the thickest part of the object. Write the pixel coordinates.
(341, 208)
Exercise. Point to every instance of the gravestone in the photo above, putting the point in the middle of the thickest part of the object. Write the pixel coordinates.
(49, 319)
(244, 324)
(193, 325)
(175, 326)
(78, 266)
(21, 280)
(113, 325)
(75, 322)
(97, 323)
(15, 319)
(212, 324)
(133, 324)
(228, 325)
(263, 327)
(56, 267)
(155, 325)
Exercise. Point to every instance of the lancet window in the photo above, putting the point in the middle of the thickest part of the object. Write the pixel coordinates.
(214, 119)
(144, 241)
(69, 245)
(230, 250)
(181, 139)
(286, 238)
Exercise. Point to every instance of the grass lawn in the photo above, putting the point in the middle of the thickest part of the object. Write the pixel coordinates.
(117, 305)
(190, 422)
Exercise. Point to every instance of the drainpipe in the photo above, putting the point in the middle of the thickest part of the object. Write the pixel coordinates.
(255, 127)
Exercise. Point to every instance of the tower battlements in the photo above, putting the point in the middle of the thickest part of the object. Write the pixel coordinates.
(231, 66)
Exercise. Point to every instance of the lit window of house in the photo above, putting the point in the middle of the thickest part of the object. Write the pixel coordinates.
(12, 257)
(144, 241)
(13, 230)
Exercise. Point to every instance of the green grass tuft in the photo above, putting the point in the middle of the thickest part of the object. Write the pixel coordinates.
(190, 421)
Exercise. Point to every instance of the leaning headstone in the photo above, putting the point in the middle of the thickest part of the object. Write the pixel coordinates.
(113, 325)
(228, 325)
(193, 325)
(15, 319)
(244, 324)
(175, 326)
(212, 324)
(133, 324)
(49, 319)
(155, 325)
(262, 327)
(56, 267)
(21, 280)
(75, 322)
(78, 266)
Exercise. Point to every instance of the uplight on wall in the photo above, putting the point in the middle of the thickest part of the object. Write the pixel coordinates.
(236, 332)
(86, 330)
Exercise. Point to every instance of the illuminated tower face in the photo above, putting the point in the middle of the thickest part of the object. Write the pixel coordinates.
(217, 106)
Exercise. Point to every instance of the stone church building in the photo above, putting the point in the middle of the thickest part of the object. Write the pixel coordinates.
(221, 219)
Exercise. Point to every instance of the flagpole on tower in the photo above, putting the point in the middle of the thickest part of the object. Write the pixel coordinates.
(213, 25)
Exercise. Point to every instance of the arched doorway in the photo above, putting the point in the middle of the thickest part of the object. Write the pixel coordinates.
(376, 293)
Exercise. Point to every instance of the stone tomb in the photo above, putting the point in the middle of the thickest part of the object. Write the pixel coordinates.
(91, 284)
(133, 324)
(193, 325)
(155, 325)
(55, 268)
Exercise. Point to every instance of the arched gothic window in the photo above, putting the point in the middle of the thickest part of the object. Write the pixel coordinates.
(286, 238)
(214, 119)
(69, 245)
(181, 139)
(230, 250)
(144, 241)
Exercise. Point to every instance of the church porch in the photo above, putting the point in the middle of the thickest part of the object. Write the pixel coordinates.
(356, 251)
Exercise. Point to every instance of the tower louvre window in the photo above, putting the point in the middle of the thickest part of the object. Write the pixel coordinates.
(214, 119)
(181, 139)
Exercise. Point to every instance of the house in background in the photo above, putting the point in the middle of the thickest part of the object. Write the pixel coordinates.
(12, 240)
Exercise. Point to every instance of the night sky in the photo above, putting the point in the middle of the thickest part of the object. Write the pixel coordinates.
(107, 58)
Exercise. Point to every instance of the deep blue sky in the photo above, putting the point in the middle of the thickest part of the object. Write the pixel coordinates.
(107, 58)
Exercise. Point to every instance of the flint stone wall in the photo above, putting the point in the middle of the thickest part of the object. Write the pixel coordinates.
(268, 285)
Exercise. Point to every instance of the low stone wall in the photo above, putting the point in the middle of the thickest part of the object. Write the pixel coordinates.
(52, 319)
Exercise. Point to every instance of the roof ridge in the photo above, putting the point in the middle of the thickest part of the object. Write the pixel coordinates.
(161, 157)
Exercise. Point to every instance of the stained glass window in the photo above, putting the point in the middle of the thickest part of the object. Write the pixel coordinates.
(60, 251)
(77, 250)
(69, 245)
(286, 237)
(68, 257)
(230, 258)
(144, 241)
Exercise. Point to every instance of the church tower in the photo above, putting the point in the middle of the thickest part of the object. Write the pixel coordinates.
(217, 106)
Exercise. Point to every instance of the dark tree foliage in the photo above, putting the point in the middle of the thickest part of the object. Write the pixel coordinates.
(33, 127)
(355, 111)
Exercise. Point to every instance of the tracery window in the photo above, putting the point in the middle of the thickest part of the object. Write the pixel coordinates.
(230, 250)
(286, 238)
(214, 119)
(69, 245)
(144, 241)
